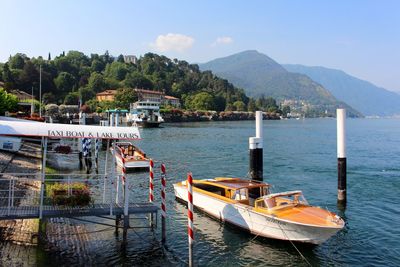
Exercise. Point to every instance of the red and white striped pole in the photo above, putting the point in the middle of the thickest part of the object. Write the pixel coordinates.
(151, 188)
(190, 217)
(151, 176)
(126, 199)
(163, 206)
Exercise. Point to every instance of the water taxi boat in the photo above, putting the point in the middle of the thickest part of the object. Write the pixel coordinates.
(249, 205)
(135, 158)
(145, 114)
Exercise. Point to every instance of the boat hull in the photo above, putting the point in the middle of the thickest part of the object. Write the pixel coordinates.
(132, 164)
(257, 223)
(148, 124)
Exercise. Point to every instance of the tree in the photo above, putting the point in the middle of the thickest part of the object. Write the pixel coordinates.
(116, 70)
(201, 101)
(71, 98)
(29, 76)
(64, 82)
(17, 61)
(239, 106)
(48, 98)
(86, 94)
(121, 59)
(137, 80)
(7, 77)
(124, 97)
(251, 106)
(97, 65)
(96, 82)
(8, 102)
(285, 110)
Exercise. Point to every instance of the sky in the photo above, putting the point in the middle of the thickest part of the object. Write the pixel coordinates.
(360, 37)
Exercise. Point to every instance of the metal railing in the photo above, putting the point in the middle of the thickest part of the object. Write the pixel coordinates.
(25, 189)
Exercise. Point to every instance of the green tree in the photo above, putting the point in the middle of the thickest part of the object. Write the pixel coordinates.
(124, 97)
(121, 59)
(17, 61)
(48, 98)
(138, 80)
(86, 93)
(64, 82)
(251, 106)
(96, 82)
(8, 102)
(71, 98)
(97, 65)
(285, 110)
(116, 70)
(239, 106)
(201, 101)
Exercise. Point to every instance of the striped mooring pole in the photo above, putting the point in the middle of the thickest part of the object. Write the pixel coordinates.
(341, 156)
(163, 205)
(151, 178)
(151, 188)
(126, 200)
(190, 217)
(96, 154)
(256, 150)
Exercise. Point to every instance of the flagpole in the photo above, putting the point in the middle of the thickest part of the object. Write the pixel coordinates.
(40, 91)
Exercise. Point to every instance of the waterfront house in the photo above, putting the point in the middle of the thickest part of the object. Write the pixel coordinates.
(107, 95)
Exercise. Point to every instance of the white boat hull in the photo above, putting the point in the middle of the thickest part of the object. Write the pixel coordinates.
(132, 164)
(254, 222)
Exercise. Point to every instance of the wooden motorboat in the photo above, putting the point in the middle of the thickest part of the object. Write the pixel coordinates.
(249, 205)
(135, 158)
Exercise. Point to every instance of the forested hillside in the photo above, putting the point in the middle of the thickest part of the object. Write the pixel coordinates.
(260, 75)
(72, 76)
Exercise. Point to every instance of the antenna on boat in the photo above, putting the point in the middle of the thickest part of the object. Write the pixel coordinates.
(256, 150)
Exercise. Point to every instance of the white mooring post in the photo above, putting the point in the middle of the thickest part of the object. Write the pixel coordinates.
(341, 155)
(256, 150)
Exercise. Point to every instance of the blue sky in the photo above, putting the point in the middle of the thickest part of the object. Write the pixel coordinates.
(361, 37)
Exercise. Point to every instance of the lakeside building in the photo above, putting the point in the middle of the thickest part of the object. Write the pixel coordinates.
(107, 95)
(130, 59)
(21, 95)
(143, 95)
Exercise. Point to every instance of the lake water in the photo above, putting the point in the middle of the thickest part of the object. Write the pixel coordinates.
(298, 154)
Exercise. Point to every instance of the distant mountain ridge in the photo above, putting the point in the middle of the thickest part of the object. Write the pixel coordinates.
(260, 75)
(364, 96)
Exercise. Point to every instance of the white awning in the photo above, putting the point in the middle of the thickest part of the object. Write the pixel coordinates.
(56, 130)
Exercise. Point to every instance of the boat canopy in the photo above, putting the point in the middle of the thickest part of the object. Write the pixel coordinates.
(56, 130)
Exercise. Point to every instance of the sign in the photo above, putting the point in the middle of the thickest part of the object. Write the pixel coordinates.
(56, 130)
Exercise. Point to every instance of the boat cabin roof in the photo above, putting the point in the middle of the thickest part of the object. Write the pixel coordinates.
(234, 183)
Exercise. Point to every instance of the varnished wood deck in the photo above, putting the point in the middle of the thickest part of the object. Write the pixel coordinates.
(29, 212)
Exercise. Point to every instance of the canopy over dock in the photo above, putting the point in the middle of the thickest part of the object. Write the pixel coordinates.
(55, 130)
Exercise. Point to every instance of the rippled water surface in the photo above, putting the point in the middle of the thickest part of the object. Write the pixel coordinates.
(298, 154)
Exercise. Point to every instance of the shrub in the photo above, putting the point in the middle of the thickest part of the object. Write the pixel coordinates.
(79, 194)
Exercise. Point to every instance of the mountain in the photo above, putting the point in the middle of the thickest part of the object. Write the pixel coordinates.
(260, 75)
(362, 95)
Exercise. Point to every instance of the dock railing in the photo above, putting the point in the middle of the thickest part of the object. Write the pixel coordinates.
(26, 190)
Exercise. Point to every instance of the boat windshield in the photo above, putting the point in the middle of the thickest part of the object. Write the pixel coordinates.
(284, 199)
